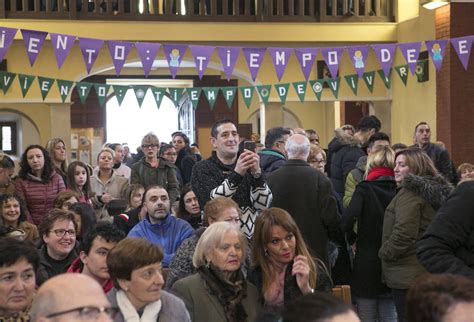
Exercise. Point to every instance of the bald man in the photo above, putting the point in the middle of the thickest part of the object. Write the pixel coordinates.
(72, 298)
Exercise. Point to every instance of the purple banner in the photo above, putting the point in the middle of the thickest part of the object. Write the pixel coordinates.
(119, 51)
(202, 56)
(174, 55)
(462, 46)
(228, 57)
(147, 52)
(436, 49)
(280, 58)
(62, 45)
(33, 42)
(385, 54)
(90, 49)
(332, 57)
(306, 58)
(411, 51)
(254, 57)
(6, 39)
(358, 56)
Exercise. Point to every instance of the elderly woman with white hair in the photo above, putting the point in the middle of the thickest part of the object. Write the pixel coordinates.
(218, 291)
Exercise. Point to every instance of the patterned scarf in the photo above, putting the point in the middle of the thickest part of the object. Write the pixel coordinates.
(229, 292)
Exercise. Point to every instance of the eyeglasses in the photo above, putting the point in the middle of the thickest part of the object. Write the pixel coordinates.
(317, 161)
(171, 154)
(60, 233)
(89, 313)
(147, 146)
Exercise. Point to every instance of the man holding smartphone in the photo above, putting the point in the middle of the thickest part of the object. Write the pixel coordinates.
(230, 174)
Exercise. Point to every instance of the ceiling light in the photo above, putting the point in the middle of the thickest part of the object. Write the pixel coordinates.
(433, 4)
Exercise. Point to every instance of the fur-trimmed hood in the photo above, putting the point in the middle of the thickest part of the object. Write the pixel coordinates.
(342, 139)
(435, 190)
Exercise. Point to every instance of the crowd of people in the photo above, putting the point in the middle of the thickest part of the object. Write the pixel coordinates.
(255, 232)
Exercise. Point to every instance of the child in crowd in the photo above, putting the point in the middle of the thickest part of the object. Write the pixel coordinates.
(79, 180)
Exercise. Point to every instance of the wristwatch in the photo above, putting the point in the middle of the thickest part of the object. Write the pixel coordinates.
(257, 174)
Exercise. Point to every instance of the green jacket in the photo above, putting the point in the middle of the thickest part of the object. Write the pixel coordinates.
(353, 178)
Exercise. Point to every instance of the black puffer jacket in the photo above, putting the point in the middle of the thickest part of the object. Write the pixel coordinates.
(345, 152)
(448, 244)
(270, 160)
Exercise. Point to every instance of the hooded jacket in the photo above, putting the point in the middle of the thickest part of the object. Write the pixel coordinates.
(406, 219)
(270, 160)
(353, 178)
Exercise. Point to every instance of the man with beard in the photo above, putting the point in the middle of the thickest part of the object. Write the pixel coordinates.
(160, 226)
(92, 260)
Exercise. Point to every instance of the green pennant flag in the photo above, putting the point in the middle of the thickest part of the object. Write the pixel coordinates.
(247, 94)
(102, 90)
(140, 93)
(194, 94)
(402, 72)
(387, 80)
(420, 71)
(211, 95)
(229, 95)
(175, 94)
(334, 85)
(45, 85)
(317, 86)
(300, 89)
(64, 88)
(353, 82)
(264, 91)
(369, 80)
(6, 80)
(25, 83)
(158, 94)
(83, 90)
(282, 90)
(120, 92)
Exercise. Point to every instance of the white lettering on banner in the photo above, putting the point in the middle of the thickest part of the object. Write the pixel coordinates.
(211, 95)
(280, 58)
(61, 42)
(369, 79)
(353, 85)
(305, 58)
(411, 56)
(2, 39)
(158, 95)
(64, 90)
(90, 52)
(229, 94)
(403, 71)
(194, 95)
(83, 90)
(228, 58)
(462, 45)
(33, 45)
(385, 55)
(333, 85)
(281, 91)
(253, 60)
(101, 91)
(119, 53)
(200, 59)
(44, 85)
(332, 58)
(247, 93)
(300, 88)
(6, 80)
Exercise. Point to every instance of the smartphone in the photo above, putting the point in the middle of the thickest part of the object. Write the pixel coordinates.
(250, 145)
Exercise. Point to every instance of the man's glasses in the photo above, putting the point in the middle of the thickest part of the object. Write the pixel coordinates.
(147, 146)
(171, 154)
(89, 313)
(60, 233)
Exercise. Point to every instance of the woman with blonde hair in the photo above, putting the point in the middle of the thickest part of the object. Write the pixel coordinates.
(57, 151)
(283, 268)
(367, 208)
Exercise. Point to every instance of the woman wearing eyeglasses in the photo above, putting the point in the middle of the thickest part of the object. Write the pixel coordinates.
(135, 269)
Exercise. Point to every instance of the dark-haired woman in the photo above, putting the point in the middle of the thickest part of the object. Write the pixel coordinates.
(186, 158)
(7, 168)
(188, 208)
(13, 217)
(37, 182)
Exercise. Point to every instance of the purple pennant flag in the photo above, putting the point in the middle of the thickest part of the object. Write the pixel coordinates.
(306, 58)
(174, 55)
(147, 52)
(119, 51)
(462, 46)
(332, 57)
(385, 54)
(228, 57)
(436, 49)
(280, 58)
(6, 39)
(254, 57)
(33, 42)
(358, 56)
(202, 55)
(411, 51)
(62, 45)
(90, 50)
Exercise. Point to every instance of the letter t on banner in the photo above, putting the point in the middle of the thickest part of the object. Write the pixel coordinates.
(202, 56)
(90, 50)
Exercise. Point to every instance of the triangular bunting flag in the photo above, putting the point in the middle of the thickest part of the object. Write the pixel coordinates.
(247, 94)
(25, 82)
(306, 57)
(34, 41)
(45, 85)
(411, 51)
(194, 94)
(254, 58)
(334, 85)
(280, 58)
(402, 72)
(353, 82)
(317, 86)
(202, 56)
(229, 95)
(300, 89)
(62, 45)
(282, 91)
(119, 51)
(387, 80)
(64, 88)
(358, 56)
(420, 70)
(174, 55)
(90, 49)
(140, 93)
(83, 90)
(463, 46)
(6, 80)
(264, 91)
(332, 57)
(147, 52)
(120, 92)
(385, 54)
(102, 91)
(369, 80)
(228, 57)
(211, 95)
(175, 94)
(437, 50)
(6, 39)
(158, 94)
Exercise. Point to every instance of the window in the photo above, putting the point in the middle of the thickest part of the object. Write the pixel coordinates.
(8, 137)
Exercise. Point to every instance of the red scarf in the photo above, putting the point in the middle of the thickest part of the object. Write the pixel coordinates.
(379, 172)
